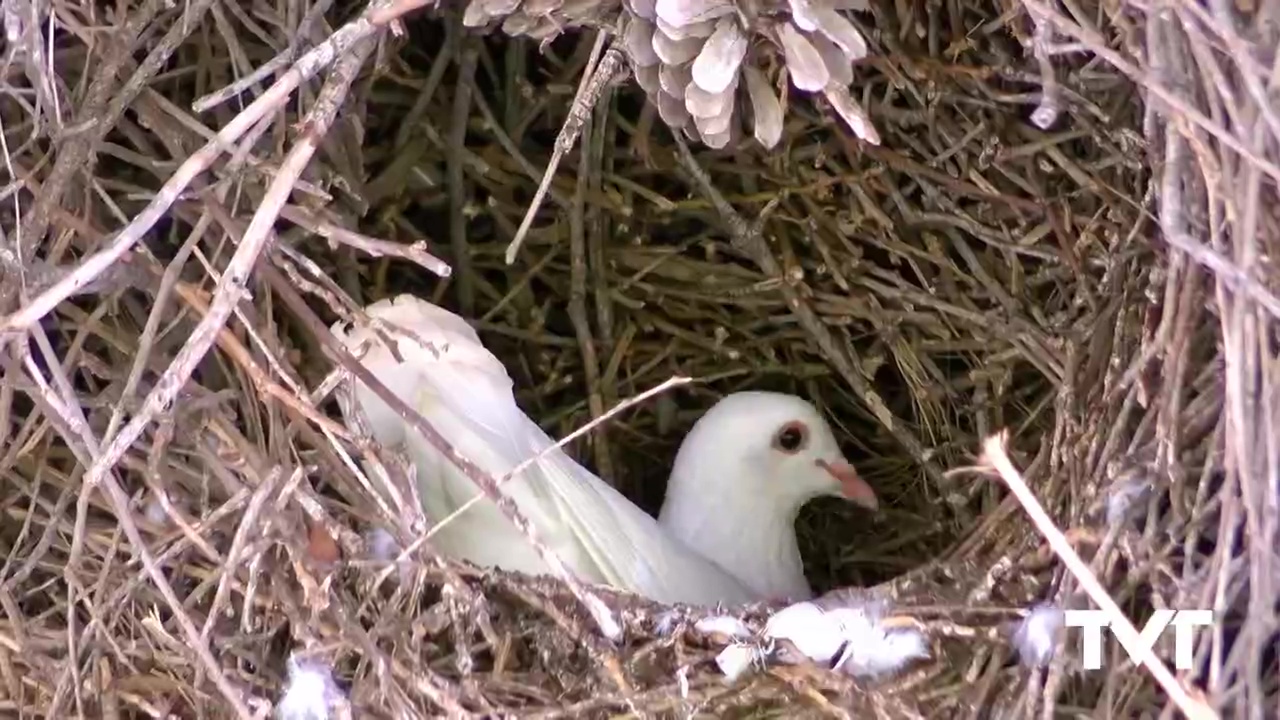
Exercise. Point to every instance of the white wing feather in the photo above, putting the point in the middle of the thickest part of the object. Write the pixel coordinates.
(465, 392)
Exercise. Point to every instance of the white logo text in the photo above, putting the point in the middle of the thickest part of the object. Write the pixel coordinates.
(1092, 622)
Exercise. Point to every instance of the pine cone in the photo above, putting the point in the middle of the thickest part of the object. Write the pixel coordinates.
(541, 20)
(689, 56)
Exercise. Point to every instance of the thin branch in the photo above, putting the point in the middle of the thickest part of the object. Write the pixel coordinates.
(595, 78)
(993, 454)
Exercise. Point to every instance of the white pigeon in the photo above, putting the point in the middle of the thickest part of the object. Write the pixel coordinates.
(740, 478)
(466, 394)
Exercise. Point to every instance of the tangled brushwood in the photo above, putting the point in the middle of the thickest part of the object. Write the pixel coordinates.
(1022, 254)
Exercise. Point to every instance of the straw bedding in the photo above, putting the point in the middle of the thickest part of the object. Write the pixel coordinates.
(1066, 232)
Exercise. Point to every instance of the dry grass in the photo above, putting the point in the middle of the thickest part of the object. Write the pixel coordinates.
(1103, 289)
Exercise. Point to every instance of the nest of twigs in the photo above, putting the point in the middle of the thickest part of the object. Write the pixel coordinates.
(1066, 232)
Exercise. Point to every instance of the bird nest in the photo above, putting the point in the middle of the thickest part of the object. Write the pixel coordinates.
(1040, 275)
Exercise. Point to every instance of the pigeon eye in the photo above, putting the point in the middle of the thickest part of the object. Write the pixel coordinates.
(791, 437)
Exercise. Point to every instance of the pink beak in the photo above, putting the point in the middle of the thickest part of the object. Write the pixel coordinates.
(853, 487)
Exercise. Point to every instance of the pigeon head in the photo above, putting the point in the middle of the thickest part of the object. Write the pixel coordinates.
(772, 446)
(740, 478)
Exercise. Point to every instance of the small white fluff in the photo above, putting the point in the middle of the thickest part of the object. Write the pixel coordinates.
(736, 658)
(1036, 637)
(666, 622)
(1122, 498)
(850, 639)
(723, 625)
(310, 692)
(154, 511)
(809, 628)
(382, 546)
